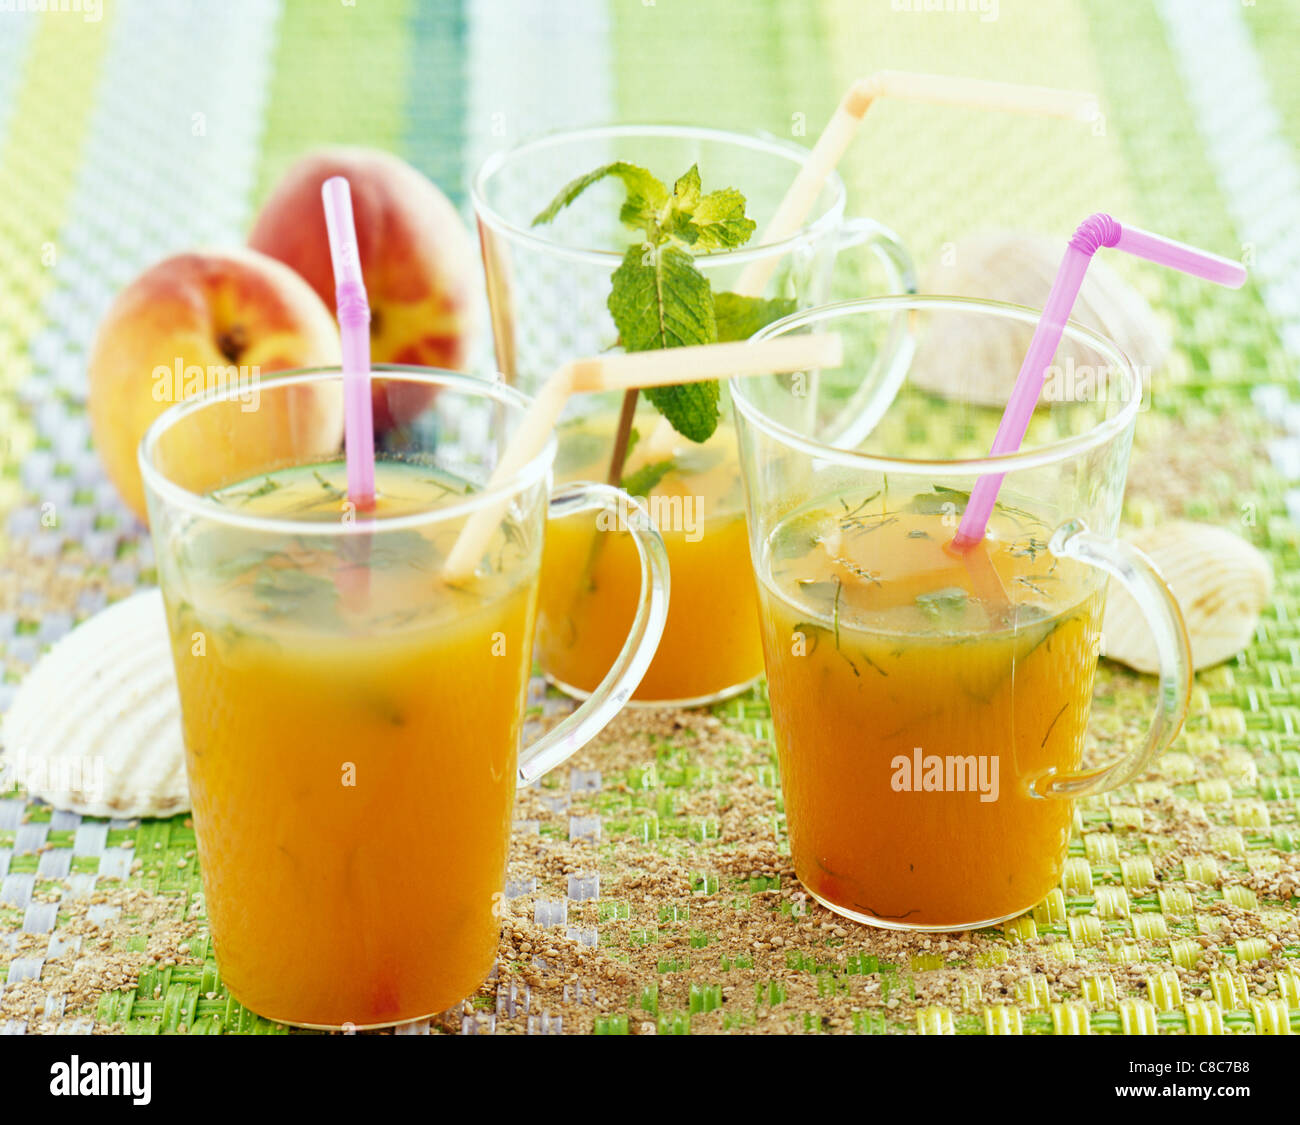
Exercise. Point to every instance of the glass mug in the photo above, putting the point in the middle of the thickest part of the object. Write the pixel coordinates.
(547, 289)
(930, 706)
(352, 719)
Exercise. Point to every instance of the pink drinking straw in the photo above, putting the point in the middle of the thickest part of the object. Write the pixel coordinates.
(1094, 232)
(354, 333)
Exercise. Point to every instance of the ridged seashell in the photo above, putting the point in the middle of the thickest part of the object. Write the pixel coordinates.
(1221, 584)
(95, 727)
(978, 358)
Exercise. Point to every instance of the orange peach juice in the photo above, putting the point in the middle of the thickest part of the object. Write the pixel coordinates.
(916, 696)
(351, 727)
(591, 577)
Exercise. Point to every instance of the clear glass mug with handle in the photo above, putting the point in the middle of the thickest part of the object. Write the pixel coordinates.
(547, 288)
(352, 717)
(930, 705)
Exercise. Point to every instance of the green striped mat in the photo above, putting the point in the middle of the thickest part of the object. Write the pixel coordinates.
(125, 139)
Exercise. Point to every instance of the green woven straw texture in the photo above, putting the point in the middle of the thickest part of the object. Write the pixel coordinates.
(157, 128)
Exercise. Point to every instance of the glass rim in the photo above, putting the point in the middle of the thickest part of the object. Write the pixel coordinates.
(1002, 463)
(176, 496)
(742, 255)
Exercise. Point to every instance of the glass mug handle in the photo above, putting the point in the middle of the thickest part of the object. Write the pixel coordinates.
(858, 416)
(638, 650)
(1138, 575)
(885, 244)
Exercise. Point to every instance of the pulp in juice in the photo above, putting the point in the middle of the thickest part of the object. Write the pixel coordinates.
(917, 696)
(351, 724)
(591, 576)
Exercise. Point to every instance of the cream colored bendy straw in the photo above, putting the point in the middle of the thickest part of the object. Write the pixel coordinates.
(657, 368)
(899, 85)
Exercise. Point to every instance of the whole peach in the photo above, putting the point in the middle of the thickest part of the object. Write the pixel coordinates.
(417, 259)
(204, 319)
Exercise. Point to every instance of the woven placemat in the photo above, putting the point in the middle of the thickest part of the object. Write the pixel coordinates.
(649, 884)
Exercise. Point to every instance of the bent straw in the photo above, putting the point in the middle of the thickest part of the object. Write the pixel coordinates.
(657, 368)
(835, 138)
(1093, 233)
(354, 332)
(902, 85)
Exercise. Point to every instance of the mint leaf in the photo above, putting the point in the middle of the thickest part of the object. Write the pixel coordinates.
(943, 606)
(403, 548)
(646, 196)
(738, 318)
(236, 566)
(692, 408)
(686, 191)
(660, 300)
(283, 591)
(706, 222)
(646, 477)
(719, 221)
(942, 501)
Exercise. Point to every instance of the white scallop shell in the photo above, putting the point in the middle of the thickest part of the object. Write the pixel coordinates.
(978, 358)
(95, 727)
(1221, 584)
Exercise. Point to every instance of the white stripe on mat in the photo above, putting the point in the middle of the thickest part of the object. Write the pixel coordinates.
(1259, 176)
(168, 164)
(15, 35)
(533, 71)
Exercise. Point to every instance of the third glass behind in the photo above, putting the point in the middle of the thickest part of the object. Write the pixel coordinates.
(547, 287)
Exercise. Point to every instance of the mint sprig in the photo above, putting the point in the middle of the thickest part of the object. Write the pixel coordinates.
(658, 297)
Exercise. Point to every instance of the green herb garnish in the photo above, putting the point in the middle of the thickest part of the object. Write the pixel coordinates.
(447, 489)
(1052, 724)
(1030, 549)
(941, 603)
(646, 477)
(232, 567)
(334, 492)
(738, 318)
(401, 548)
(268, 485)
(939, 502)
(873, 665)
(810, 629)
(282, 591)
(1032, 582)
(658, 298)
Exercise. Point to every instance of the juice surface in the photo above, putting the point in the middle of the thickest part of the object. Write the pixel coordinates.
(916, 696)
(591, 578)
(351, 726)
